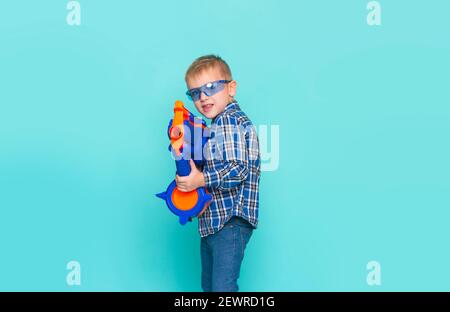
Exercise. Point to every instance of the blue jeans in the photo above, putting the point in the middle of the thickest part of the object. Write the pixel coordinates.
(222, 255)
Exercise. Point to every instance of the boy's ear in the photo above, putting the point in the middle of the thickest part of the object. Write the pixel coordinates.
(232, 88)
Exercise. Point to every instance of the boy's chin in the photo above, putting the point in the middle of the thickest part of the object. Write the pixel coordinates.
(209, 115)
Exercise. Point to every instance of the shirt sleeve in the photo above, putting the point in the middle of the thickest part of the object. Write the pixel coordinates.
(229, 154)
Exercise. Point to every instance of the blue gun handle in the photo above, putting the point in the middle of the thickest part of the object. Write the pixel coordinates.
(183, 167)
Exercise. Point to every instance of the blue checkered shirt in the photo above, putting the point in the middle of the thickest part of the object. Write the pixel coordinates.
(231, 171)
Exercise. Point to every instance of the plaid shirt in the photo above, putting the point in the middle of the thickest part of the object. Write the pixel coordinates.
(231, 170)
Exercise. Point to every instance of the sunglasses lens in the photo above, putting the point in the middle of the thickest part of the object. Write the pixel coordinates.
(194, 94)
(209, 89)
(212, 88)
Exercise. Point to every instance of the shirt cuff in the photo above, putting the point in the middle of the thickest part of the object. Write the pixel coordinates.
(212, 179)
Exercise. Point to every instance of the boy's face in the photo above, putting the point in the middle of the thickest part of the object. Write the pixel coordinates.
(211, 106)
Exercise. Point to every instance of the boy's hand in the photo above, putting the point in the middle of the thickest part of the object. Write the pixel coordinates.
(191, 182)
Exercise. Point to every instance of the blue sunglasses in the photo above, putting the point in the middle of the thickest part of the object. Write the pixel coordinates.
(209, 89)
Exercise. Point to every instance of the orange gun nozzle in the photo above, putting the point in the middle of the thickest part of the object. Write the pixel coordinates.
(177, 130)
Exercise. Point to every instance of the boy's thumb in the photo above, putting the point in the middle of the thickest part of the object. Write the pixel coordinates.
(192, 164)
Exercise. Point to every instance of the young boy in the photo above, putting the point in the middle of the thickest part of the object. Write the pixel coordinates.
(231, 174)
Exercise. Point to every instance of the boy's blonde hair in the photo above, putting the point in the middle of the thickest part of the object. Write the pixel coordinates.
(207, 62)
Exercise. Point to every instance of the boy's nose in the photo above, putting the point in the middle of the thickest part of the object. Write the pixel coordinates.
(203, 96)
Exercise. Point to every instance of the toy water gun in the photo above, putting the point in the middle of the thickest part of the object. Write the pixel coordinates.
(187, 139)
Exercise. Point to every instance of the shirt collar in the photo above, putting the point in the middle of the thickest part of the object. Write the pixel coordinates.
(232, 105)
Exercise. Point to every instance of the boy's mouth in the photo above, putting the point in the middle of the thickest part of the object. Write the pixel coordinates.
(207, 107)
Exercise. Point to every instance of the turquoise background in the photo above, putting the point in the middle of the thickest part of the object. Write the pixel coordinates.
(364, 130)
